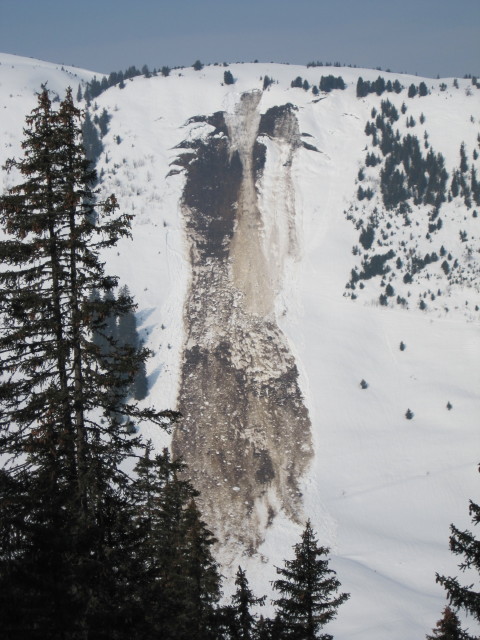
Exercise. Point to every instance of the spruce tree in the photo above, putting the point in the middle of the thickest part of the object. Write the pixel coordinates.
(464, 543)
(64, 540)
(182, 584)
(242, 623)
(448, 627)
(308, 591)
(228, 77)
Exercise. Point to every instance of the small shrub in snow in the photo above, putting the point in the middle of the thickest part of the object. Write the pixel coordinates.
(409, 414)
(364, 384)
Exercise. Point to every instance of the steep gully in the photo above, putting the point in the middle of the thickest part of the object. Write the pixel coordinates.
(245, 433)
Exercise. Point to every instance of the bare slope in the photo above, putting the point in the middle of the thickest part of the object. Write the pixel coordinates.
(245, 433)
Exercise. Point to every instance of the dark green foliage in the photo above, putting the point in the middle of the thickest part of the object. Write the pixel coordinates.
(407, 173)
(306, 85)
(363, 384)
(297, 83)
(372, 160)
(464, 543)
(102, 121)
(308, 591)
(228, 77)
(463, 159)
(389, 111)
(449, 406)
(165, 71)
(397, 87)
(65, 534)
(378, 86)
(448, 627)
(393, 184)
(197, 65)
(389, 290)
(376, 265)
(362, 89)
(183, 584)
(267, 81)
(422, 89)
(364, 193)
(412, 91)
(92, 90)
(403, 346)
(474, 186)
(409, 414)
(418, 263)
(367, 237)
(91, 140)
(241, 622)
(329, 83)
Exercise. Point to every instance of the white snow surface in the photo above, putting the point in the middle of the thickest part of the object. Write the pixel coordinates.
(382, 490)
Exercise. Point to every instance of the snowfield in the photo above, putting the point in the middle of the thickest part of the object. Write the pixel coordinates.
(381, 490)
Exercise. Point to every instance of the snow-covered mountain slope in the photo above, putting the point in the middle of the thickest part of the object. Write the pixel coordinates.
(248, 224)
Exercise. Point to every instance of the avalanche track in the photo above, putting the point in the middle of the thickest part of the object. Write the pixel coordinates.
(245, 433)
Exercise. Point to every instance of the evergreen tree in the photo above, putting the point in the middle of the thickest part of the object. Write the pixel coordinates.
(463, 159)
(363, 88)
(64, 567)
(103, 121)
(91, 140)
(242, 622)
(422, 89)
(308, 591)
(464, 543)
(181, 586)
(228, 77)
(267, 81)
(379, 85)
(397, 87)
(448, 627)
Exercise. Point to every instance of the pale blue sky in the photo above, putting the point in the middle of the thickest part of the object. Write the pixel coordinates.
(427, 37)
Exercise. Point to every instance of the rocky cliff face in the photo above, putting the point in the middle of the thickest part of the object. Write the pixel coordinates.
(246, 432)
